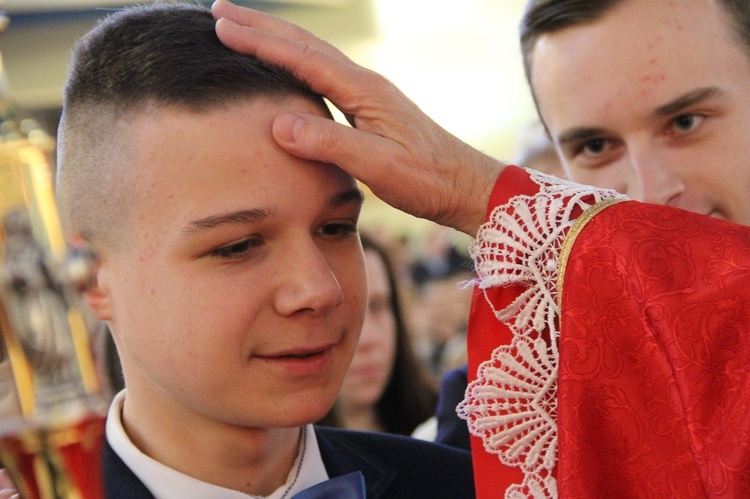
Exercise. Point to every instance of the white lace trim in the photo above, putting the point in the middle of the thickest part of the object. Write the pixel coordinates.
(512, 405)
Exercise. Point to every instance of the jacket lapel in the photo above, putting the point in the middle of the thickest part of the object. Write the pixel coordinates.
(342, 455)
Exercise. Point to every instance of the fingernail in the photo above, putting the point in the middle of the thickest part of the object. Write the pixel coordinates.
(289, 127)
(226, 22)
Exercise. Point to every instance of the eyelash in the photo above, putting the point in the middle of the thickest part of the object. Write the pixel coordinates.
(673, 128)
(345, 229)
(241, 249)
(696, 121)
(580, 148)
(236, 250)
(588, 143)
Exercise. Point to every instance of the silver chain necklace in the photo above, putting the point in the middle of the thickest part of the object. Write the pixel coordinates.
(303, 438)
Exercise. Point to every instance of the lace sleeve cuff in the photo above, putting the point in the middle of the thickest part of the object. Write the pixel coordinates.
(511, 405)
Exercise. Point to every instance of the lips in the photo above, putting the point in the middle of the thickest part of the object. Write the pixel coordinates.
(300, 361)
(298, 352)
(301, 355)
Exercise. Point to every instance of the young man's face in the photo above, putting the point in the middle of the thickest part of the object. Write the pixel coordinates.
(653, 100)
(241, 294)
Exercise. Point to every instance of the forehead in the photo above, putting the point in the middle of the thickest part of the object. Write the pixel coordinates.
(166, 141)
(189, 164)
(641, 53)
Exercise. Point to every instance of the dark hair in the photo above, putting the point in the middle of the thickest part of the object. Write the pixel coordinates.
(546, 16)
(410, 396)
(168, 53)
(164, 55)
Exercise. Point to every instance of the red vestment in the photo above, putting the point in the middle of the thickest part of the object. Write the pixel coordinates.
(633, 381)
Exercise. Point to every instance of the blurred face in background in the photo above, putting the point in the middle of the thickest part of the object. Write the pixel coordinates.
(372, 366)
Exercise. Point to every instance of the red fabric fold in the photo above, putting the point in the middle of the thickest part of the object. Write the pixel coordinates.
(654, 374)
(653, 382)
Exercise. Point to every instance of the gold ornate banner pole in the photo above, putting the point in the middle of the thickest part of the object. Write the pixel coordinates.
(52, 405)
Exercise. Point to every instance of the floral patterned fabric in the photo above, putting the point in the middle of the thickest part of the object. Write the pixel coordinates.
(638, 388)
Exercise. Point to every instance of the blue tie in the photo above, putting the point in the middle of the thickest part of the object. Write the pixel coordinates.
(351, 486)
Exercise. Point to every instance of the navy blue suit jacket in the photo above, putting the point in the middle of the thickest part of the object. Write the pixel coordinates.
(394, 467)
(452, 430)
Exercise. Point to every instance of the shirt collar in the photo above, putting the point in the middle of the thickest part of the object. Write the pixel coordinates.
(165, 482)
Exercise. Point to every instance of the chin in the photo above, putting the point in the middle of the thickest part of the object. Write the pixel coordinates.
(291, 417)
(306, 410)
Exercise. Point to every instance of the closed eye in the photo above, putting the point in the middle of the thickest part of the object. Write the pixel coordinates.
(338, 230)
(237, 250)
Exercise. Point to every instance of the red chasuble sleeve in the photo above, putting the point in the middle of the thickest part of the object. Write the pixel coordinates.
(653, 397)
(638, 388)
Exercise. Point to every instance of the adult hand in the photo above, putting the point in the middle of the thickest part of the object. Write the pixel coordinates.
(402, 155)
(7, 487)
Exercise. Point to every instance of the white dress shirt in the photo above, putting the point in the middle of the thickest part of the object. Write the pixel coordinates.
(167, 483)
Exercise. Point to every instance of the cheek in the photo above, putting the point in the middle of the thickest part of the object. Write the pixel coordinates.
(170, 318)
(392, 339)
(352, 279)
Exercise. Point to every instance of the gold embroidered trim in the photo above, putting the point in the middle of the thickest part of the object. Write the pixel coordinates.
(570, 240)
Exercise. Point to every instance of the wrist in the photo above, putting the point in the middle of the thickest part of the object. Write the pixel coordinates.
(477, 192)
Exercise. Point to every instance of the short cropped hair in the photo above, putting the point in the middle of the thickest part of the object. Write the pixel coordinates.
(165, 55)
(547, 16)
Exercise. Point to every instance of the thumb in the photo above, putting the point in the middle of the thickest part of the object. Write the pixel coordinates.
(365, 156)
(449, 187)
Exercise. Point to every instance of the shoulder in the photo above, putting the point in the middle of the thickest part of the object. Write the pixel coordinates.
(398, 466)
(455, 377)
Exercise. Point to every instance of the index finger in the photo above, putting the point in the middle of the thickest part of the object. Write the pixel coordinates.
(6, 482)
(257, 19)
(318, 63)
(250, 18)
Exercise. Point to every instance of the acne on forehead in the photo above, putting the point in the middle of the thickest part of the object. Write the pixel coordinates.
(554, 73)
(640, 51)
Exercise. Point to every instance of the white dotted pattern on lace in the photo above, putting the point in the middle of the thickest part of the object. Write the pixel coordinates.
(512, 405)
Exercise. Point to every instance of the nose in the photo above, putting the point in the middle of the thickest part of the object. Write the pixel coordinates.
(653, 181)
(308, 283)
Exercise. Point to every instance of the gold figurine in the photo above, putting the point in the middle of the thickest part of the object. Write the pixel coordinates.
(52, 404)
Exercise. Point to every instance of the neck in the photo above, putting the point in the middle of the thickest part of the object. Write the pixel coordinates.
(255, 461)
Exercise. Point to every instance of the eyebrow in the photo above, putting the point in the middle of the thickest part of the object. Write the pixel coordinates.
(256, 215)
(686, 100)
(579, 134)
(235, 217)
(675, 106)
(354, 194)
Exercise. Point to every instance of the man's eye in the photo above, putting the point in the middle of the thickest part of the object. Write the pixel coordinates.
(594, 146)
(236, 250)
(686, 122)
(338, 229)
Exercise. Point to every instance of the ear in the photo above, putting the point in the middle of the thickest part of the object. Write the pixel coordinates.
(97, 294)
